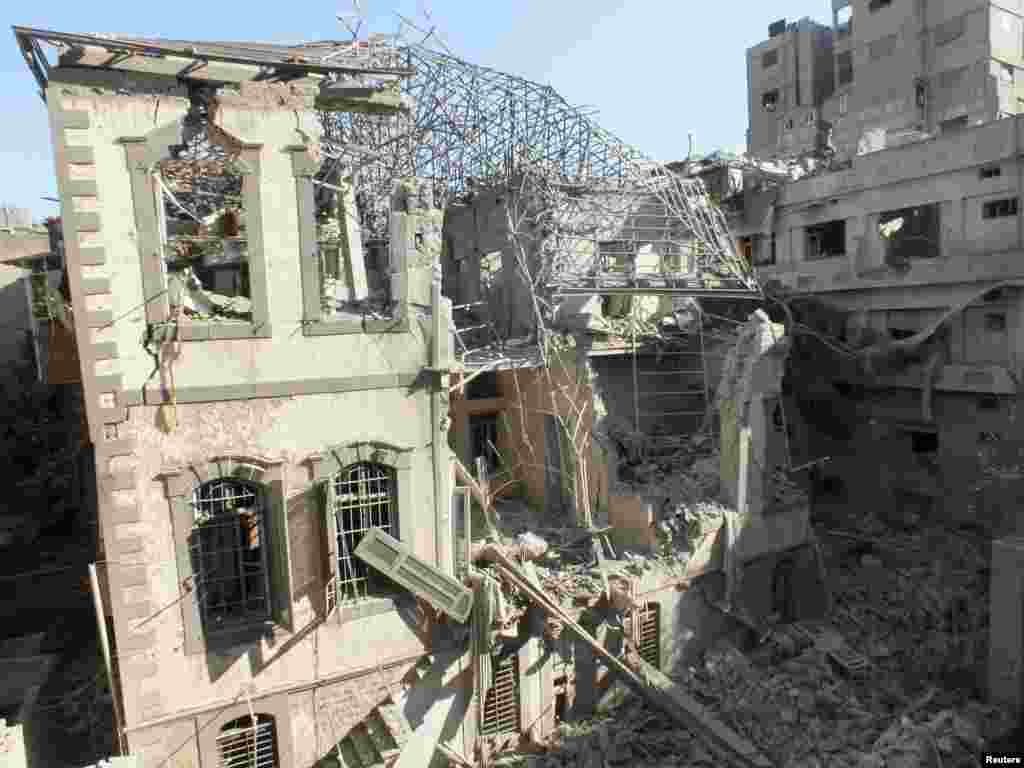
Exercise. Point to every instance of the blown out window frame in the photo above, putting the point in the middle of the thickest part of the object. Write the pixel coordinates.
(143, 154)
(304, 169)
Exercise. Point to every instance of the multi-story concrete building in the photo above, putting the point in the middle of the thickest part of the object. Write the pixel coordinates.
(914, 249)
(885, 72)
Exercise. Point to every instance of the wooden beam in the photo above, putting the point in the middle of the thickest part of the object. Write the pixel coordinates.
(648, 682)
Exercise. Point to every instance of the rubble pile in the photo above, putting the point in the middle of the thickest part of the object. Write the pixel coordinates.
(891, 678)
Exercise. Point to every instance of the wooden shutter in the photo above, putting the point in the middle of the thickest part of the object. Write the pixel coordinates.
(396, 561)
(461, 514)
(276, 526)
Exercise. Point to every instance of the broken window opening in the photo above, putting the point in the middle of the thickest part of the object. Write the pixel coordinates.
(997, 209)
(826, 240)
(844, 68)
(203, 222)
(483, 439)
(988, 403)
(911, 233)
(363, 497)
(249, 741)
(228, 553)
(501, 703)
(877, 5)
(789, 124)
(769, 59)
(901, 333)
(991, 172)
(995, 322)
(953, 125)
(483, 386)
(924, 442)
(770, 100)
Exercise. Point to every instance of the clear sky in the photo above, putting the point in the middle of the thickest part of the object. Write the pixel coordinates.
(654, 69)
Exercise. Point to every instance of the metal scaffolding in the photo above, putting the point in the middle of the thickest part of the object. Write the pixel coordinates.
(617, 222)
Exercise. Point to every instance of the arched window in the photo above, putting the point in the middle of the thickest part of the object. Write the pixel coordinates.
(229, 553)
(248, 742)
(363, 497)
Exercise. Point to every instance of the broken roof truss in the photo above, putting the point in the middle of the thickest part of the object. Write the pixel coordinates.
(617, 222)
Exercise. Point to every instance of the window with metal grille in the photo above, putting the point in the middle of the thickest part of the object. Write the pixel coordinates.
(649, 619)
(248, 743)
(229, 553)
(363, 498)
(501, 704)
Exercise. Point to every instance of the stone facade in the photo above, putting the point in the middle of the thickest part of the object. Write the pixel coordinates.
(173, 403)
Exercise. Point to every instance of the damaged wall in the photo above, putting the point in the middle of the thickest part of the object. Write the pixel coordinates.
(534, 448)
(173, 403)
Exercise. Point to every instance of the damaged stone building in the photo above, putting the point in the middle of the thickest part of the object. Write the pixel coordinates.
(277, 393)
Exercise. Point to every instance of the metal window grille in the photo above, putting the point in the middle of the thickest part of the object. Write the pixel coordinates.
(364, 498)
(650, 631)
(243, 743)
(501, 704)
(228, 553)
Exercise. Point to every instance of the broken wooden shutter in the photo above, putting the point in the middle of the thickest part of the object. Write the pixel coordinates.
(326, 496)
(280, 563)
(461, 512)
(396, 561)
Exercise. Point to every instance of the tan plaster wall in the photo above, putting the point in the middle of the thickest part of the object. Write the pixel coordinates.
(289, 356)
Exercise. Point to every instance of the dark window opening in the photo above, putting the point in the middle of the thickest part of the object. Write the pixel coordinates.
(997, 209)
(877, 5)
(844, 68)
(746, 245)
(789, 124)
(924, 442)
(364, 497)
(826, 240)
(229, 556)
(991, 172)
(483, 439)
(770, 101)
(833, 485)
(777, 420)
(911, 233)
(901, 333)
(988, 403)
(769, 59)
(483, 386)
(953, 124)
(995, 322)
(989, 437)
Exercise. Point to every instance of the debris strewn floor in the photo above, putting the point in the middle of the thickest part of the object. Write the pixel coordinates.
(912, 606)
